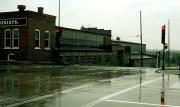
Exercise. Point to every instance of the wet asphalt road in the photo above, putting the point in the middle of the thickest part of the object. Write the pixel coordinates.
(87, 86)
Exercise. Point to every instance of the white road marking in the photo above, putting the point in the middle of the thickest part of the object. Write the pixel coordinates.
(57, 93)
(139, 103)
(117, 93)
(47, 96)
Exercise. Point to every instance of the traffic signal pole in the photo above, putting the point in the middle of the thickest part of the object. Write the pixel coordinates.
(168, 43)
(163, 67)
(58, 35)
(163, 42)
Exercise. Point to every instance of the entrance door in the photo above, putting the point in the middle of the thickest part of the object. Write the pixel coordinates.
(120, 57)
(11, 57)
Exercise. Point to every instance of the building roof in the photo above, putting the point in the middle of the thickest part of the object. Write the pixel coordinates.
(139, 57)
(27, 13)
(92, 49)
(79, 30)
(127, 42)
(96, 30)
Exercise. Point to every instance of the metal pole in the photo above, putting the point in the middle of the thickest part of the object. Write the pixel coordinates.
(141, 40)
(141, 63)
(163, 68)
(168, 43)
(58, 36)
(59, 14)
(159, 59)
(163, 42)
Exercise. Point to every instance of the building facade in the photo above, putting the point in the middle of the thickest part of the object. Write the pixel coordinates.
(27, 35)
(87, 45)
(129, 54)
(30, 36)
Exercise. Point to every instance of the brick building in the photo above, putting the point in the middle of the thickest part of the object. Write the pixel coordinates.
(27, 35)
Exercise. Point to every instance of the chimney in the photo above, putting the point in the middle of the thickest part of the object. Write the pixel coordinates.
(21, 8)
(40, 10)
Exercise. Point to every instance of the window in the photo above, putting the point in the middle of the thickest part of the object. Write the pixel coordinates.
(15, 39)
(7, 41)
(47, 39)
(11, 40)
(37, 39)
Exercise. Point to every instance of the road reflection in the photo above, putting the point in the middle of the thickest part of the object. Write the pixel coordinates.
(140, 87)
(31, 84)
(163, 92)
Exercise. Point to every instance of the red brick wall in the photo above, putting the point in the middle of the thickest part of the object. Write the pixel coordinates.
(26, 51)
(42, 25)
(21, 53)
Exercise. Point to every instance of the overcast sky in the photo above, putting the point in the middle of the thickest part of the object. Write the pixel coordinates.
(120, 16)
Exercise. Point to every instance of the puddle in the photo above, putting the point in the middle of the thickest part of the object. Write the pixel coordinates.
(175, 85)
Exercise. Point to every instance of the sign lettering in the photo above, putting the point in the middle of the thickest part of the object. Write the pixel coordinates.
(13, 22)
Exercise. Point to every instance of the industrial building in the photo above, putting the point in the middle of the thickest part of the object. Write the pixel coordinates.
(31, 36)
(129, 54)
(87, 45)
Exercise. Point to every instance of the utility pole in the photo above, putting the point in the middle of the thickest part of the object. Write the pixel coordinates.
(141, 63)
(141, 40)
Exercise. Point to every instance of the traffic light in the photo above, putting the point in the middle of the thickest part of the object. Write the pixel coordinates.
(58, 35)
(58, 31)
(163, 34)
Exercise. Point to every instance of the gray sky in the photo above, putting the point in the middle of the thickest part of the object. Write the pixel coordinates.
(120, 16)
